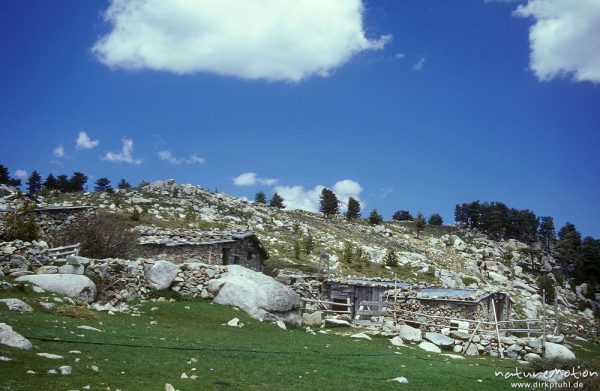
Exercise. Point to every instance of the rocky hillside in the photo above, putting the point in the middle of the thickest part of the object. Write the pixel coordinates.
(296, 240)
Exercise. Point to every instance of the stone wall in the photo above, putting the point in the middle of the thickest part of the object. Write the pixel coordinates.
(239, 252)
(54, 222)
(432, 308)
(117, 280)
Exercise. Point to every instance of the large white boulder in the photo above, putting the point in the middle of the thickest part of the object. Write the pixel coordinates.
(554, 350)
(440, 340)
(72, 285)
(411, 334)
(12, 338)
(161, 274)
(261, 296)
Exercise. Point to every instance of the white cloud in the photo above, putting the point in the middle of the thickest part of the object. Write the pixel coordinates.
(21, 174)
(59, 151)
(252, 179)
(168, 156)
(399, 56)
(250, 39)
(419, 64)
(85, 142)
(124, 155)
(565, 39)
(296, 197)
(195, 159)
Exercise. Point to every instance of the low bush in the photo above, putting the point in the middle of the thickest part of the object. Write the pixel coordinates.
(74, 311)
(102, 238)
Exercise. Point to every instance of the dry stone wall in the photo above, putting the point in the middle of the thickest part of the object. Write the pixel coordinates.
(54, 222)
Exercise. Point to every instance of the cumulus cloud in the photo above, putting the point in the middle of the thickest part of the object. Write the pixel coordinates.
(85, 142)
(59, 151)
(250, 39)
(125, 155)
(565, 38)
(168, 156)
(21, 174)
(297, 197)
(419, 64)
(399, 56)
(252, 179)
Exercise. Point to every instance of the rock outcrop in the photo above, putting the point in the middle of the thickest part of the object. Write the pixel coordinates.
(257, 294)
(10, 337)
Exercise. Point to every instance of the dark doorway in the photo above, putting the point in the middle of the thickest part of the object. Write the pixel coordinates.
(225, 256)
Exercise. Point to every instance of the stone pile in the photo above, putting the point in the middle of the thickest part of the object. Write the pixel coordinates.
(19, 258)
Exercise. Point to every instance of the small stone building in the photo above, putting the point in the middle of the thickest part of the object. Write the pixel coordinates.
(55, 220)
(211, 247)
(435, 306)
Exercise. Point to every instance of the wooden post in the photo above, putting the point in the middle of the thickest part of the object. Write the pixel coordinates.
(544, 319)
(497, 332)
(557, 327)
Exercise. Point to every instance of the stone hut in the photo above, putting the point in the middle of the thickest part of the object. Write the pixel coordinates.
(54, 220)
(211, 247)
(427, 306)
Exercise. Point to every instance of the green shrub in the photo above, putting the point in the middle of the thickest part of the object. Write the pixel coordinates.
(17, 228)
(468, 280)
(135, 215)
(74, 311)
(544, 282)
(590, 383)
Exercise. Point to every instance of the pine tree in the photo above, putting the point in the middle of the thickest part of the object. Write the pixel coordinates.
(587, 267)
(546, 233)
(402, 215)
(34, 183)
(435, 219)
(50, 183)
(419, 223)
(329, 203)
(5, 178)
(102, 185)
(390, 259)
(297, 249)
(123, 185)
(77, 182)
(375, 218)
(62, 183)
(546, 285)
(360, 256)
(260, 198)
(347, 255)
(353, 211)
(308, 244)
(276, 202)
(569, 240)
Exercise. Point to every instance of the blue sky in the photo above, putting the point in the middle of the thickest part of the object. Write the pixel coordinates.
(414, 105)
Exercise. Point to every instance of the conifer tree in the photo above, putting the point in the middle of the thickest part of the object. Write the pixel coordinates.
(353, 211)
(308, 244)
(390, 259)
(260, 198)
(77, 182)
(569, 240)
(435, 219)
(5, 178)
(34, 183)
(123, 185)
(50, 182)
(276, 202)
(102, 185)
(330, 204)
(402, 215)
(375, 218)
(62, 183)
(546, 233)
(419, 223)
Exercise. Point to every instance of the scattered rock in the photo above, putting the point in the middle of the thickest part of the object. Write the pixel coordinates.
(554, 350)
(72, 285)
(50, 356)
(17, 305)
(337, 322)
(397, 341)
(360, 336)
(453, 356)
(89, 328)
(312, 319)
(11, 338)
(400, 379)
(169, 387)
(65, 370)
(410, 334)
(281, 325)
(440, 340)
(235, 322)
(429, 347)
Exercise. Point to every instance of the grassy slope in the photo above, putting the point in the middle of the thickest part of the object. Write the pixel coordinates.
(257, 356)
